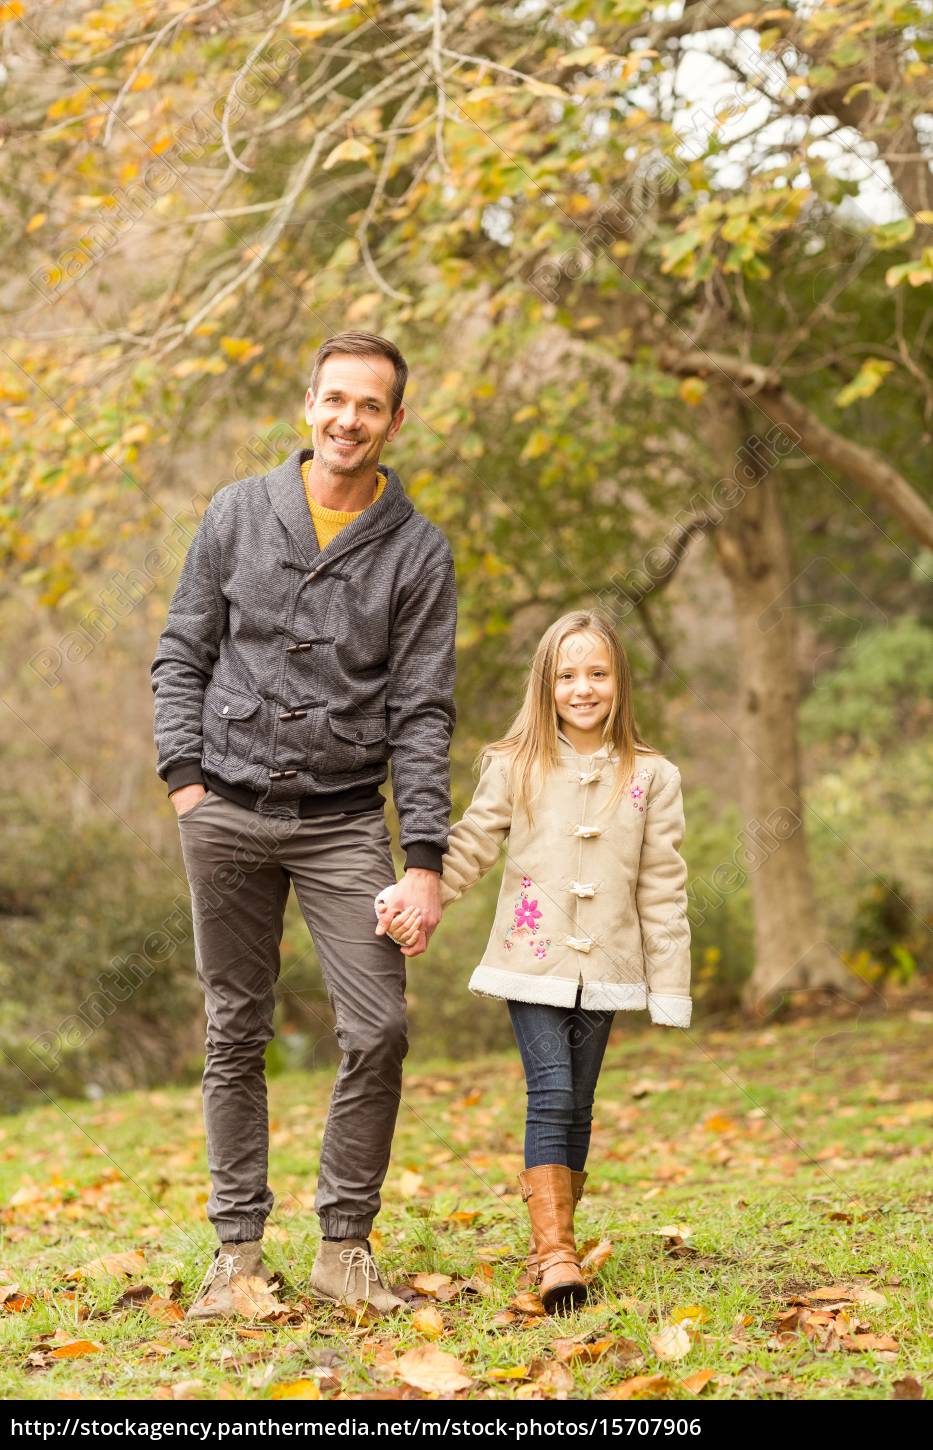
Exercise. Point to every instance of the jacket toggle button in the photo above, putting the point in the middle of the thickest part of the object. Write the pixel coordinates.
(588, 776)
(587, 831)
(293, 715)
(579, 943)
(282, 774)
(582, 888)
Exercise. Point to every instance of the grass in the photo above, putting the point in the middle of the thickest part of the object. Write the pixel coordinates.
(795, 1155)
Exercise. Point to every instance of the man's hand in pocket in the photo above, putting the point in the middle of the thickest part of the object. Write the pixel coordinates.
(187, 798)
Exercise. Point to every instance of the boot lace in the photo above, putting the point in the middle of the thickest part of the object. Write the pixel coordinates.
(223, 1264)
(359, 1258)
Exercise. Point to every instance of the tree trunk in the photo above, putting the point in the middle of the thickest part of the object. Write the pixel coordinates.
(791, 951)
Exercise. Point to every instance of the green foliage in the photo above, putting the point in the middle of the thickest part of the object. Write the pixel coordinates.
(880, 693)
(720, 907)
(97, 979)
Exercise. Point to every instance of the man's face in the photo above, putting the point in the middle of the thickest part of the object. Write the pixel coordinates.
(351, 412)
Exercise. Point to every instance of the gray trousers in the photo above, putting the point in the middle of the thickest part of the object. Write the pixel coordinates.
(239, 864)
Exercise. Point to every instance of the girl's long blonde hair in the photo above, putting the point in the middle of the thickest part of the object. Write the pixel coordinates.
(531, 741)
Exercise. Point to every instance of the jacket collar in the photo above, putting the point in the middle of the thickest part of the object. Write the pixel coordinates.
(286, 490)
(600, 754)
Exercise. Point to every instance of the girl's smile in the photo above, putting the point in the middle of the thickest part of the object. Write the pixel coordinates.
(584, 689)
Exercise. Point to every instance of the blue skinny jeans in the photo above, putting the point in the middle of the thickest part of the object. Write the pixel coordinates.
(562, 1051)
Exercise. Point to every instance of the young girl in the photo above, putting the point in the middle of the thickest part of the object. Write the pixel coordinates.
(592, 912)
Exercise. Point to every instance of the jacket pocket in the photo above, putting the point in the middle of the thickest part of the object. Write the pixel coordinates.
(229, 723)
(352, 741)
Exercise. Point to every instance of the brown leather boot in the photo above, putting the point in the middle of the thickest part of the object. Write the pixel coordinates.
(548, 1193)
(578, 1177)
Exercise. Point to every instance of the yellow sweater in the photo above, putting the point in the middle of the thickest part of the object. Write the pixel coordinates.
(329, 522)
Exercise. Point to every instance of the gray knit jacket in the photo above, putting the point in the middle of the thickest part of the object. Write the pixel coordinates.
(289, 671)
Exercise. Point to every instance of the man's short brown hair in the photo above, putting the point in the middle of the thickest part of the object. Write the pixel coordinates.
(363, 344)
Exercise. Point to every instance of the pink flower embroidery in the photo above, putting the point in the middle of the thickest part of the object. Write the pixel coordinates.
(526, 883)
(541, 949)
(527, 913)
(637, 791)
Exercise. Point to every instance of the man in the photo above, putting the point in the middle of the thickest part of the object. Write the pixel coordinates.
(310, 639)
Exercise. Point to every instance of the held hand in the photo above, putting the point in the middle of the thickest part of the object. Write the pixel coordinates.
(402, 925)
(186, 798)
(422, 888)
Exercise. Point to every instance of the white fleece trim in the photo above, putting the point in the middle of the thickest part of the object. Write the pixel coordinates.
(614, 996)
(668, 1010)
(523, 987)
(558, 991)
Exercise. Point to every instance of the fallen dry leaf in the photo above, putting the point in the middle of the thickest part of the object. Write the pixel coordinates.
(595, 1257)
(296, 1390)
(513, 1372)
(674, 1231)
(187, 1389)
(647, 1085)
(167, 1311)
(75, 1349)
(671, 1342)
(690, 1315)
(253, 1297)
(882, 1343)
(719, 1123)
(694, 1384)
(17, 1303)
(434, 1370)
(841, 1292)
(640, 1387)
(557, 1377)
(115, 1265)
(527, 1303)
(434, 1286)
(863, 1295)
(410, 1184)
(908, 1388)
(428, 1322)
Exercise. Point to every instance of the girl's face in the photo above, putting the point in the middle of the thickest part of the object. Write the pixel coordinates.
(585, 685)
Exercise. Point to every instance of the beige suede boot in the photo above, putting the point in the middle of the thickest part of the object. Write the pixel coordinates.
(214, 1299)
(345, 1272)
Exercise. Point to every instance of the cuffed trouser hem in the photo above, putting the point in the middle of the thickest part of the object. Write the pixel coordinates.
(238, 1230)
(339, 1226)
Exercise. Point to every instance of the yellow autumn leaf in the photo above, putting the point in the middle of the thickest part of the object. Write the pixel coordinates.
(513, 1372)
(542, 88)
(410, 1184)
(692, 391)
(349, 150)
(689, 1315)
(240, 349)
(37, 221)
(296, 1390)
(10, 12)
(311, 28)
(428, 1322)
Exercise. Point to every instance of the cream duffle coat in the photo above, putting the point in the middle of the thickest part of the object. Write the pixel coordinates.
(588, 898)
